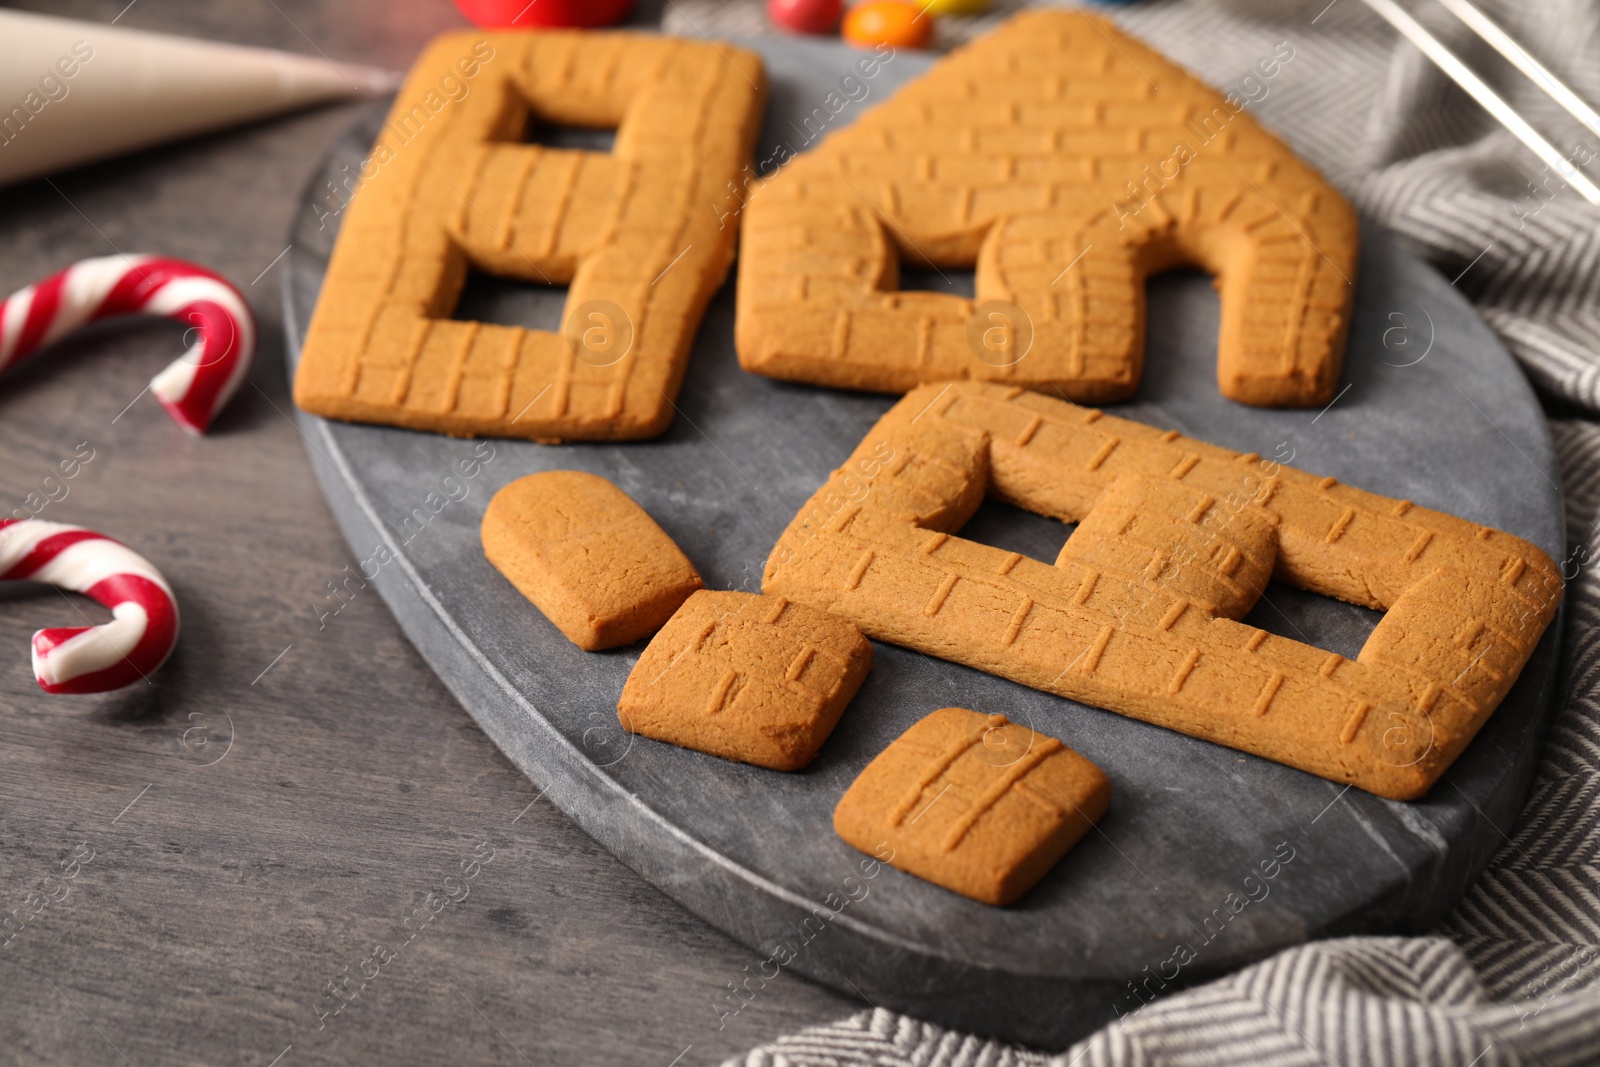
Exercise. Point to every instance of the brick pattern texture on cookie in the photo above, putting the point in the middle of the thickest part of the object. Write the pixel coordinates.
(587, 556)
(1176, 539)
(752, 678)
(627, 231)
(1065, 161)
(971, 802)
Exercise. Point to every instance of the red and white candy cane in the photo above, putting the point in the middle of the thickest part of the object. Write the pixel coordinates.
(195, 387)
(92, 659)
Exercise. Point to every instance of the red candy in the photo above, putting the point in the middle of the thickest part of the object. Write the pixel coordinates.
(521, 14)
(805, 16)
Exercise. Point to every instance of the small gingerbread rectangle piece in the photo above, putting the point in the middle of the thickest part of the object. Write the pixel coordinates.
(751, 678)
(974, 803)
(588, 557)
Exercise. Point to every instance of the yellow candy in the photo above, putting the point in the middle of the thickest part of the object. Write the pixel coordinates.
(955, 7)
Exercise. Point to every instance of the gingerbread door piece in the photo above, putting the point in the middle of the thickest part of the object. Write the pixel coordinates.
(587, 556)
(1176, 539)
(451, 185)
(1066, 162)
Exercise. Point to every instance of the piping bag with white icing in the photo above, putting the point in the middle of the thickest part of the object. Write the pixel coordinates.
(72, 92)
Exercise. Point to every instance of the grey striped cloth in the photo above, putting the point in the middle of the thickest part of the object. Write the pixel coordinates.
(1509, 977)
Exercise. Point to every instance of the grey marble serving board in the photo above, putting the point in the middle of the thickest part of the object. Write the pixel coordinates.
(1432, 409)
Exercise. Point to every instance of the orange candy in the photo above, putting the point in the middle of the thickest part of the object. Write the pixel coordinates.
(891, 22)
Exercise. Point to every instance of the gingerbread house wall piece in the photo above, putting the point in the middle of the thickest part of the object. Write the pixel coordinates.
(1066, 162)
(450, 185)
(1176, 539)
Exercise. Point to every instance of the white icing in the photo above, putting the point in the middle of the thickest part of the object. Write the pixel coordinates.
(145, 88)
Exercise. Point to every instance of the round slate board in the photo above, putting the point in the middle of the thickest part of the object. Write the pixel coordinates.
(1174, 887)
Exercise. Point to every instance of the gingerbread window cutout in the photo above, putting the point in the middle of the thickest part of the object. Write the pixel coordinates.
(1066, 161)
(1176, 538)
(448, 186)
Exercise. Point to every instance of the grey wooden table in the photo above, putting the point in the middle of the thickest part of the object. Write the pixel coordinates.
(282, 797)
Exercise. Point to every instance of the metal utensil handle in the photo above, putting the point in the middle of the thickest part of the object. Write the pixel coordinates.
(1480, 91)
(1524, 61)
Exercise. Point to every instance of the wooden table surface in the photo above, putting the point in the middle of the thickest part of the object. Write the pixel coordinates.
(281, 799)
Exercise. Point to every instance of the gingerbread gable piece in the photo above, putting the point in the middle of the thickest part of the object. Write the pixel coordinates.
(1066, 161)
(1176, 539)
(450, 184)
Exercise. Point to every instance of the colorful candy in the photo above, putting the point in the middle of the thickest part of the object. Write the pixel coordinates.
(955, 7)
(888, 22)
(193, 388)
(92, 659)
(521, 14)
(805, 16)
